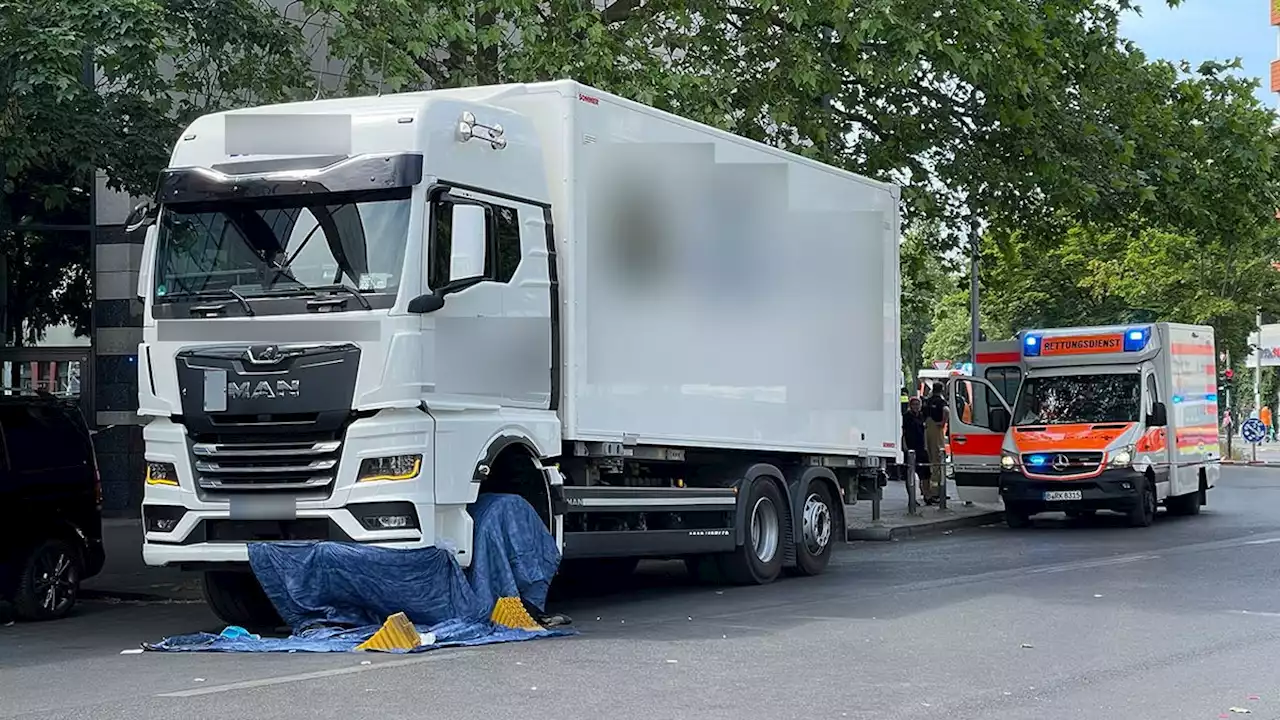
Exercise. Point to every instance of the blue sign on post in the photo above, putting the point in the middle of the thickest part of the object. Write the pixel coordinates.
(1253, 431)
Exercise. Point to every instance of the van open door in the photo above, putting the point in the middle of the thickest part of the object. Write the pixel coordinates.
(976, 437)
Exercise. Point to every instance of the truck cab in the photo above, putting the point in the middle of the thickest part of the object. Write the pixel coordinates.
(1118, 418)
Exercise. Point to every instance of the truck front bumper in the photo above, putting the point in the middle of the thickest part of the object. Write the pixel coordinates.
(1114, 489)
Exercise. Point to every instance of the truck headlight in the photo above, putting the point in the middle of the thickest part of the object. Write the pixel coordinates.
(162, 473)
(1008, 461)
(1122, 458)
(395, 467)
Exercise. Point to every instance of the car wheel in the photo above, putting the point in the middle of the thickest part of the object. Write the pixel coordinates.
(50, 582)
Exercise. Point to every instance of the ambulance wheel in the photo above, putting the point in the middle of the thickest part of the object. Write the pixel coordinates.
(237, 599)
(1016, 517)
(758, 560)
(1143, 513)
(1185, 505)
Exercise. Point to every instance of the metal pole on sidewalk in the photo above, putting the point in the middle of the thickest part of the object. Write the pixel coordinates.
(876, 496)
(912, 506)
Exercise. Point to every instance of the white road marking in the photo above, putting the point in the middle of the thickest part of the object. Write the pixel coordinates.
(1268, 541)
(1089, 564)
(303, 677)
(1256, 613)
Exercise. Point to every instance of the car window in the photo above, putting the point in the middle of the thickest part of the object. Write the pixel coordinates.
(42, 437)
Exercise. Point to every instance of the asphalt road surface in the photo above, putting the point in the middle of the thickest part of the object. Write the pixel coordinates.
(1065, 620)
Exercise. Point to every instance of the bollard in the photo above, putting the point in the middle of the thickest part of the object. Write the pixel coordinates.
(942, 481)
(912, 506)
(875, 501)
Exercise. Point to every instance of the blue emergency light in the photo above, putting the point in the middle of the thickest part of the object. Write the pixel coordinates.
(1136, 339)
(1037, 460)
(1031, 346)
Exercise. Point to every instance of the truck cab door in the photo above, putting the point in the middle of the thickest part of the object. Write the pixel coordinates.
(976, 436)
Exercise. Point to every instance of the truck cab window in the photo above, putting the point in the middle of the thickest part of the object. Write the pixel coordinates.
(1005, 380)
(1153, 396)
(504, 243)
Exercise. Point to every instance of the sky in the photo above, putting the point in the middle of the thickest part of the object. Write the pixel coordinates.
(1199, 30)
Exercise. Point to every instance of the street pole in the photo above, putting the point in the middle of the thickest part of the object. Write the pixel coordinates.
(1257, 370)
(975, 323)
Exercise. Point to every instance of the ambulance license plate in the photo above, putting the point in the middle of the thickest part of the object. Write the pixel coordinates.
(1055, 495)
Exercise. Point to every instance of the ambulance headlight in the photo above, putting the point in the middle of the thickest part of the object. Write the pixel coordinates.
(1122, 458)
(1008, 461)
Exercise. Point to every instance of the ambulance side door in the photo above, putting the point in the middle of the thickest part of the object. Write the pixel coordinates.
(976, 439)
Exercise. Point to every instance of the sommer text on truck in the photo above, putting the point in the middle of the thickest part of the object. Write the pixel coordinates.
(1120, 418)
(362, 313)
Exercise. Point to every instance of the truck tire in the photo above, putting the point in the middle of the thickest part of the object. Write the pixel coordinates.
(237, 599)
(50, 582)
(1143, 513)
(815, 537)
(758, 561)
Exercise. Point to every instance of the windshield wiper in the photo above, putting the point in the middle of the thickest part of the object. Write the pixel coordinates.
(229, 292)
(339, 287)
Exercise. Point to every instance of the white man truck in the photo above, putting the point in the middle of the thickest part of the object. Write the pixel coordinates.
(1121, 418)
(362, 313)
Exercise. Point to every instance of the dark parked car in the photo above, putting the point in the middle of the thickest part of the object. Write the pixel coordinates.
(50, 505)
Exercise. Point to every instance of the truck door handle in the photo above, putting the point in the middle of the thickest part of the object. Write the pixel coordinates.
(959, 439)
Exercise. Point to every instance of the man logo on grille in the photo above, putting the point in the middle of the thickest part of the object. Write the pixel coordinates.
(1061, 463)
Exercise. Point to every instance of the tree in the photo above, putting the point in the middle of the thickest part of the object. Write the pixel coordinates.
(925, 280)
(106, 85)
(1005, 108)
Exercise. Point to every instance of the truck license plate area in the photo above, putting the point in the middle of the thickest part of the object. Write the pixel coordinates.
(215, 390)
(1060, 495)
(263, 508)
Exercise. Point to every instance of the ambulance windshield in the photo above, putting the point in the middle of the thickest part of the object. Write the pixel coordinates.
(1079, 399)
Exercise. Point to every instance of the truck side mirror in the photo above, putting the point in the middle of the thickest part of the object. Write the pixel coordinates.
(998, 419)
(468, 243)
(146, 269)
(468, 256)
(1159, 416)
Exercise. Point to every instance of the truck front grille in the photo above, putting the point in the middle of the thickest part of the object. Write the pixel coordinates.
(272, 464)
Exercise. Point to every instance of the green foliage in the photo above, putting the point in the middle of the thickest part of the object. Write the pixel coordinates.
(949, 338)
(925, 281)
(106, 85)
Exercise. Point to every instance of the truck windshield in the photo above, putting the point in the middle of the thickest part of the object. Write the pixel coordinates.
(1078, 399)
(282, 245)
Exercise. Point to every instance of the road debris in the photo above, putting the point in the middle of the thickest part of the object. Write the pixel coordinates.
(1241, 711)
(1027, 646)
(131, 651)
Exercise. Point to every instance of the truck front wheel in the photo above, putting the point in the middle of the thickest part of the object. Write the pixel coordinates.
(237, 599)
(758, 560)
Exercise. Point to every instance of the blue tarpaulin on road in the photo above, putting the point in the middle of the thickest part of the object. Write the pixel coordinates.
(335, 596)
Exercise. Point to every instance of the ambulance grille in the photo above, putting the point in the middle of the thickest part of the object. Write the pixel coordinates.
(1063, 463)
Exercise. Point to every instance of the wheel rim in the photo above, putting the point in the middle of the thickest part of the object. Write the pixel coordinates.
(764, 529)
(817, 524)
(55, 581)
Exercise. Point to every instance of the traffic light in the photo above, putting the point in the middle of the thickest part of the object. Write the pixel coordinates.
(1225, 376)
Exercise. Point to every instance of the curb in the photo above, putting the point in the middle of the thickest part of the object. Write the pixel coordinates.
(1251, 463)
(885, 533)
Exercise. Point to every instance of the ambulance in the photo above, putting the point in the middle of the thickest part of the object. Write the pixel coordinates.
(1076, 420)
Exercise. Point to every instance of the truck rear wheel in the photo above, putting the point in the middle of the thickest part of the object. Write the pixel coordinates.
(758, 561)
(816, 534)
(237, 599)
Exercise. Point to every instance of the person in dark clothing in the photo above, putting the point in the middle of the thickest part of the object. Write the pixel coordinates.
(913, 439)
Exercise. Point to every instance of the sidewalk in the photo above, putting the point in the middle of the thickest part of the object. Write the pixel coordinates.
(125, 577)
(896, 524)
